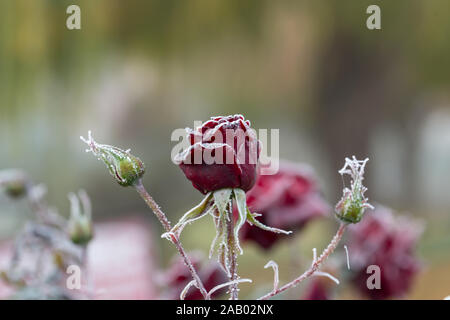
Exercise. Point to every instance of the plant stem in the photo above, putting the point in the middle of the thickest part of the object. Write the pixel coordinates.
(174, 238)
(315, 265)
(232, 256)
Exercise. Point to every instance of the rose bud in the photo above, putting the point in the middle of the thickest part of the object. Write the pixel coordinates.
(351, 207)
(178, 276)
(386, 241)
(287, 200)
(123, 166)
(15, 183)
(79, 226)
(223, 153)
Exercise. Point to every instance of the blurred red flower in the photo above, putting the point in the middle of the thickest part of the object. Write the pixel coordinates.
(387, 241)
(229, 140)
(318, 289)
(178, 276)
(287, 200)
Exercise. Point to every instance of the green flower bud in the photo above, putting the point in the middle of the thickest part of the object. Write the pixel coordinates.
(351, 207)
(123, 166)
(80, 228)
(14, 183)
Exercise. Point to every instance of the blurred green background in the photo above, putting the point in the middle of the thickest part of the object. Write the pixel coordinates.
(137, 70)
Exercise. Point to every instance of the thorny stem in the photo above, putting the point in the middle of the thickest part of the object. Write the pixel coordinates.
(173, 237)
(232, 256)
(314, 267)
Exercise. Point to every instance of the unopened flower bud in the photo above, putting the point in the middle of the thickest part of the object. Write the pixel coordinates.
(351, 207)
(80, 227)
(14, 183)
(123, 166)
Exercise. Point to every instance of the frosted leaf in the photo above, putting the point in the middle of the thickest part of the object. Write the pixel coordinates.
(192, 215)
(252, 220)
(241, 203)
(221, 200)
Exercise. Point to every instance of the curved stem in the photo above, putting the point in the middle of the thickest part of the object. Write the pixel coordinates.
(315, 265)
(173, 237)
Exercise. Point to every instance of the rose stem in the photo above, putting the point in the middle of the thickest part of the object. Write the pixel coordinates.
(232, 256)
(315, 265)
(166, 224)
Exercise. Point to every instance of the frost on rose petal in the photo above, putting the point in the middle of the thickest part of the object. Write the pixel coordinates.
(353, 203)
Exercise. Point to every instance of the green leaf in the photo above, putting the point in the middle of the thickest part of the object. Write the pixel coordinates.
(195, 213)
(252, 220)
(241, 203)
(222, 199)
(220, 237)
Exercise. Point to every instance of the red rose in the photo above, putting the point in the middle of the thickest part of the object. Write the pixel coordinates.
(178, 276)
(386, 241)
(223, 153)
(286, 200)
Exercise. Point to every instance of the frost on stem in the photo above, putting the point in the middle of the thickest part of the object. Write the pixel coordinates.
(318, 272)
(219, 205)
(123, 166)
(351, 207)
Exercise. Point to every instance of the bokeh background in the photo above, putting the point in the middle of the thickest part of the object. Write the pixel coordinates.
(137, 70)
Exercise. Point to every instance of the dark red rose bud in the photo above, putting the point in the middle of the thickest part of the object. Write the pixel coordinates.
(388, 242)
(178, 276)
(223, 153)
(287, 200)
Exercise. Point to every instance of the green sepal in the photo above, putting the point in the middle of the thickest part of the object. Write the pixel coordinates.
(251, 218)
(195, 213)
(241, 203)
(222, 199)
